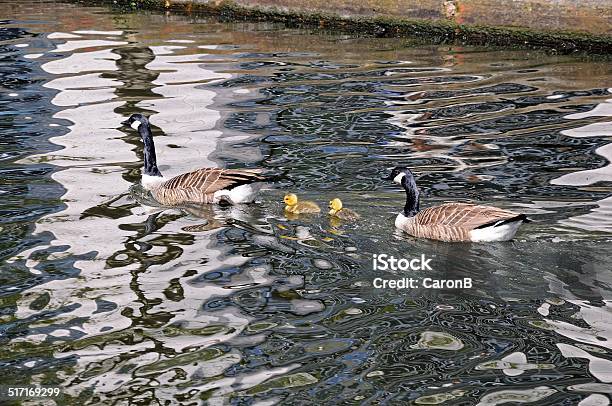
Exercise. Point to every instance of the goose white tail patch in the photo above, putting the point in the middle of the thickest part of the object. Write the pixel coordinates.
(238, 195)
(135, 124)
(504, 232)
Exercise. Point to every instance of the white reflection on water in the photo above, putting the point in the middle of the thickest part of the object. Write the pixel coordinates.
(86, 43)
(596, 337)
(92, 160)
(599, 320)
(599, 367)
(98, 32)
(422, 145)
(94, 61)
(62, 35)
(81, 89)
(182, 111)
(600, 217)
(90, 178)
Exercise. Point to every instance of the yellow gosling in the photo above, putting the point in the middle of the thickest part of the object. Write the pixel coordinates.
(336, 210)
(294, 206)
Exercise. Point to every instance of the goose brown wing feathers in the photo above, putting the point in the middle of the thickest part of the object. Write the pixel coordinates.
(454, 221)
(210, 180)
(462, 215)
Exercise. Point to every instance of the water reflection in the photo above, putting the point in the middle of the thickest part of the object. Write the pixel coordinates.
(242, 305)
(90, 177)
(598, 219)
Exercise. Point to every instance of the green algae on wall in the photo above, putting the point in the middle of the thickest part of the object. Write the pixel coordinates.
(461, 21)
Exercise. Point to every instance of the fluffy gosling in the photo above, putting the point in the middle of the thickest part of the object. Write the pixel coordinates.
(336, 210)
(294, 206)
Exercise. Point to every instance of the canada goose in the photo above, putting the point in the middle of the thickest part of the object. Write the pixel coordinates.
(294, 206)
(202, 186)
(336, 210)
(452, 221)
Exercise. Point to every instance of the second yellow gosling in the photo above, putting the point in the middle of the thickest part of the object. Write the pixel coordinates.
(336, 210)
(299, 207)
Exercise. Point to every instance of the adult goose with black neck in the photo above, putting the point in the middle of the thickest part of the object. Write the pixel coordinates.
(452, 221)
(202, 186)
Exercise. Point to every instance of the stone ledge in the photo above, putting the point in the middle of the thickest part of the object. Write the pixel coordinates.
(558, 25)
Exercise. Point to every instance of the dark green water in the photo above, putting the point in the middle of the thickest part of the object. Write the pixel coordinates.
(121, 305)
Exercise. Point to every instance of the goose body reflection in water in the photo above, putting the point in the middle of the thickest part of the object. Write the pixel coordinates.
(208, 217)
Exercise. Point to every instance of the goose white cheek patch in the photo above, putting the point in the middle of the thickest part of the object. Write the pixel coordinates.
(135, 124)
(398, 178)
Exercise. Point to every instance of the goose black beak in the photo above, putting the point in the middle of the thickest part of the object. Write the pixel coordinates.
(126, 123)
(387, 177)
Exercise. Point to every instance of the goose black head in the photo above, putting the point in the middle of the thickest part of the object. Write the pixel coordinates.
(401, 176)
(135, 121)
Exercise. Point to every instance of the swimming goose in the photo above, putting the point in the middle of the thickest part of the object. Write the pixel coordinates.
(342, 213)
(202, 186)
(294, 206)
(452, 221)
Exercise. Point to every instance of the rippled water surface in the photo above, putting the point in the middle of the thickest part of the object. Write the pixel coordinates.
(119, 304)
